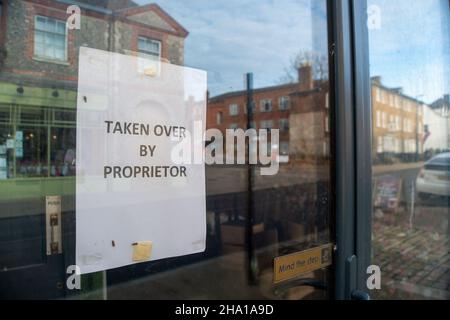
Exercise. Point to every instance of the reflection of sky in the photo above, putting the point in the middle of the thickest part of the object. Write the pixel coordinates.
(411, 49)
(228, 38)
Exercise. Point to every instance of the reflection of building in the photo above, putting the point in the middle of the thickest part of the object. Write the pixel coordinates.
(436, 126)
(397, 123)
(401, 124)
(39, 68)
(298, 110)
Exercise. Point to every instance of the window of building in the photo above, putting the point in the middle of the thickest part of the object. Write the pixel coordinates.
(407, 106)
(398, 102)
(382, 96)
(391, 100)
(388, 144)
(398, 145)
(409, 146)
(266, 105)
(397, 123)
(378, 94)
(50, 38)
(378, 119)
(233, 109)
(284, 124)
(41, 145)
(219, 117)
(284, 103)
(380, 144)
(234, 126)
(267, 124)
(384, 120)
(284, 148)
(149, 48)
(391, 124)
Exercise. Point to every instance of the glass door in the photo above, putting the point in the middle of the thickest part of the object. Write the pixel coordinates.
(269, 223)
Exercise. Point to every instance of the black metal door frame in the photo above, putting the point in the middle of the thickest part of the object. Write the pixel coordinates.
(352, 146)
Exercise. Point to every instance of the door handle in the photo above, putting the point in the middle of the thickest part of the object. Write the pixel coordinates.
(360, 295)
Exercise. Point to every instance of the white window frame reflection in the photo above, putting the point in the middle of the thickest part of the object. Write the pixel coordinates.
(266, 124)
(265, 105)
(43, 47)
(284, 124)
(233, 109)
(147, 51)
(219, 117)
(284, 103)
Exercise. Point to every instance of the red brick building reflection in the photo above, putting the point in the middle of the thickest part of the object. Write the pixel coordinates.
(299, 110)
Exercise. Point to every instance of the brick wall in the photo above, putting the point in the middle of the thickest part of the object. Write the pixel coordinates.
(308, 107)
(96, 32)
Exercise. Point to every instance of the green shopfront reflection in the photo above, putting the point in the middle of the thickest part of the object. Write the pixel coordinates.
(36, 142)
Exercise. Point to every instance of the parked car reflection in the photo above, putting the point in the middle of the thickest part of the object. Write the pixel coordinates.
(434, 177)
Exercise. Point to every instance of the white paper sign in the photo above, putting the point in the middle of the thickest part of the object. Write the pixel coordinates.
(133, 203)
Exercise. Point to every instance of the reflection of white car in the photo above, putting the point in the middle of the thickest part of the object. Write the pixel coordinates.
(434, 178)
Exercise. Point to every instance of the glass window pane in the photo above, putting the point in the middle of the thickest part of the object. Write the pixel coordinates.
(40, 23)
(60, 27)
(32, 115)
(39, 37)
(410, 54)
(5, 114)
(50, 38)
(62, 116)
(50, 25)
(149, 46)
(59, 53)
(251, 219)
(39, 49)
(31, 152)
(63, 147)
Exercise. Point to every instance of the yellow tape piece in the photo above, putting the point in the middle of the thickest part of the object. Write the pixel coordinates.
(142, 251)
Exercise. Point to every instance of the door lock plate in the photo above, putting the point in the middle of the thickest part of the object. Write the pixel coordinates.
(53, 224)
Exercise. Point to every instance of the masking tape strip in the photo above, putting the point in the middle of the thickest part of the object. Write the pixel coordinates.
(142, 251)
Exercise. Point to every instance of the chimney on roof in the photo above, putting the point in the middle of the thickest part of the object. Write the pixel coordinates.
(376, 80)
(398, 90)
(305, 77)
